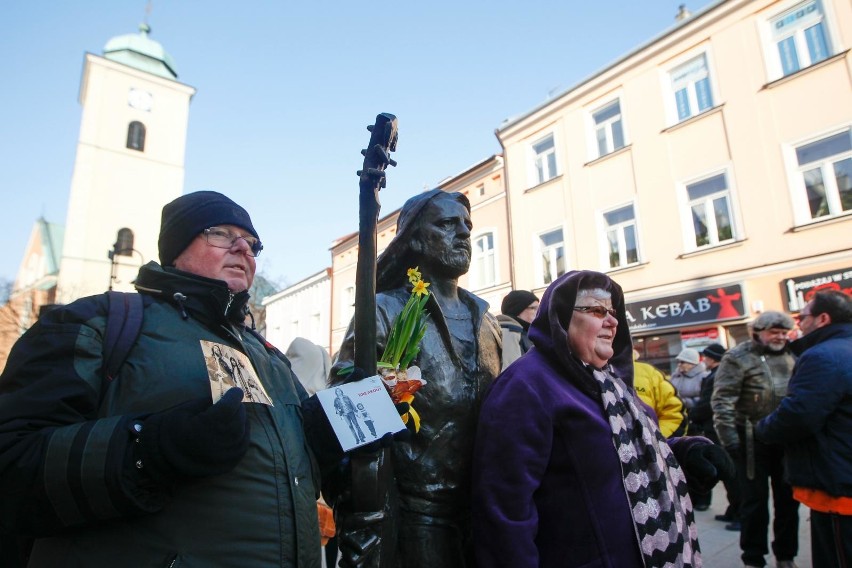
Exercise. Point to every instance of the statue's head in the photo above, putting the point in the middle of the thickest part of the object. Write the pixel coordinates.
(433, 232)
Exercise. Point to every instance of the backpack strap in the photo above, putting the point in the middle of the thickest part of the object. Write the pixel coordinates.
(124, 323)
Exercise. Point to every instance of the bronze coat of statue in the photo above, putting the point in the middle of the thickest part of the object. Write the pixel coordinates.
(459, 357)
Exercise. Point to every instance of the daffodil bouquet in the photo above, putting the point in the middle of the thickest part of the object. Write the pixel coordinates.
(403, 345)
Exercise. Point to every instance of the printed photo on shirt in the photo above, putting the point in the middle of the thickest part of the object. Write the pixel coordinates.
(226, 368)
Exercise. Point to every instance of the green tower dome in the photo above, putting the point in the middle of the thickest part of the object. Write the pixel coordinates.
(141, 52)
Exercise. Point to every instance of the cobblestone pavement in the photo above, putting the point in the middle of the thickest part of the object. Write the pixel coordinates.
(721, 548)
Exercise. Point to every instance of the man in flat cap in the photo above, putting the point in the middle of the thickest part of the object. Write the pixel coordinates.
(750, 383)
(155, 466)
(459, 357)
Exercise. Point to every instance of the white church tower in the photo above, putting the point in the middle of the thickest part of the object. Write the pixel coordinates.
(130, 162)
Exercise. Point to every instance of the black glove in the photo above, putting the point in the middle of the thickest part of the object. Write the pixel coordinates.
(705, 464)
(194, 439)
(733, 450)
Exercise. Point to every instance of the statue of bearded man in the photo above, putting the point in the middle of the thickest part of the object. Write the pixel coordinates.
(429, 494)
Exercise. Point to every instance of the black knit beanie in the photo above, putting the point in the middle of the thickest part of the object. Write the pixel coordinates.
(517, 301)
(188, 215)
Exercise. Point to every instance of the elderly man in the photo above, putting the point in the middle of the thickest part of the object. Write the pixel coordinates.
(814, 423)
(149, 469)
(750, 383)
(459, 357)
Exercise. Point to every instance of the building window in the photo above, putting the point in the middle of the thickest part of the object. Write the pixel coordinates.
(691, 87)
(544, 153)
(825, 167)
(622, 246)
(484, 262)
(136, 136)
(315, 327)
(799, 37)
(552, 255)
(480, 190)
(609, 131)
(710, 209)
(347, 305)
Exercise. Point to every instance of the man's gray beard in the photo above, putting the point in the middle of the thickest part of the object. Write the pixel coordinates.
(453, 263)
(776, 345)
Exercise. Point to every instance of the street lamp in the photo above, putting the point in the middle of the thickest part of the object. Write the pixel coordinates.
(123, 246)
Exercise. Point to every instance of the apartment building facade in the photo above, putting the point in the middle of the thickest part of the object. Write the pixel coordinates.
(708, 172)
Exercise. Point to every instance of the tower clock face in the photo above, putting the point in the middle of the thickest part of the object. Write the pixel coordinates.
(139, 99)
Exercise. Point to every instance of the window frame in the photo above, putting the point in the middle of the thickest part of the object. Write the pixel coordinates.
(605, 227)
(540, 249)
(798, 190)
(347, 304)
(136, 133)
(772, 57)
(691, 87)
(688, 227)
(534, 177)
(607, 127)
(476, 278)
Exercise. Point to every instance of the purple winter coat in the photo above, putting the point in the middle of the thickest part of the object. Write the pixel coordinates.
(547, 487)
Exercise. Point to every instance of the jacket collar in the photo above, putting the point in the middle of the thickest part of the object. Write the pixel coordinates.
(819, 335)
(205, 299)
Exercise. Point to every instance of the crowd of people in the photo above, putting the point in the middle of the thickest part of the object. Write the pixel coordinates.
(541, 439)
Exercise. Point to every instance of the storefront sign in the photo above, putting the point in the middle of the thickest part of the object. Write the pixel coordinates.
(801, 289)
(711, 305)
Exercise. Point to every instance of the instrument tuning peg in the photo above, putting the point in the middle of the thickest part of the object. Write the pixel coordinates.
(392, 162)
(359, 172)
(364, 152)
(370, 128)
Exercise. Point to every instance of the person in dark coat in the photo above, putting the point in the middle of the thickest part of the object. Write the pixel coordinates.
(517, 312)
(701, 424)
(814, 423)
(570, 468)
(153, 468)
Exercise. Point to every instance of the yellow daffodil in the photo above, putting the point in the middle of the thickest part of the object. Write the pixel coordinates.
(414, 275)
(408, 328)
(420, 288)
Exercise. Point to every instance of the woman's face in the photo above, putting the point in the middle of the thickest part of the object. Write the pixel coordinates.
(590, 337)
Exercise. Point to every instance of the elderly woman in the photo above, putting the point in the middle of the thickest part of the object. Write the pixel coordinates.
(570, 468)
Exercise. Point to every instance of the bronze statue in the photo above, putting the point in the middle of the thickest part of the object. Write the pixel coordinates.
(429, 494)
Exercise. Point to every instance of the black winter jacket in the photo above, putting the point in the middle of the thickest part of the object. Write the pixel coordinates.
(66, 470)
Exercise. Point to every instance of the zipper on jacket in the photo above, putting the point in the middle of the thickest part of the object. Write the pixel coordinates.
(180, 299)
(230, 301)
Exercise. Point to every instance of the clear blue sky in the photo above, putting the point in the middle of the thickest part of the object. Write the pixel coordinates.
(286, 89)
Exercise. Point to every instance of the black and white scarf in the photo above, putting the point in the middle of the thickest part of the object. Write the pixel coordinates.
(655, 483)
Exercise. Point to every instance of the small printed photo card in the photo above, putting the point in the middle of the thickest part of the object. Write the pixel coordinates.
(360, 412)
(226, 368)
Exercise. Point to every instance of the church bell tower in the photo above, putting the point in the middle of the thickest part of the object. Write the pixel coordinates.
(129, 163)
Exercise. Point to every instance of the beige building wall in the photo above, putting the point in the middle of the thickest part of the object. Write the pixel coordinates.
(300, 310)
(746, 139)
(116, 187)
(490, 274)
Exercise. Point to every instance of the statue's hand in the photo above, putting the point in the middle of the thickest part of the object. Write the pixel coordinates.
(358, 537)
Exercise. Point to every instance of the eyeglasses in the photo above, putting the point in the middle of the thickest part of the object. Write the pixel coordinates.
(803, 315)
(599, 312)
(223, 238)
